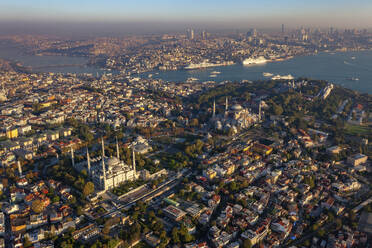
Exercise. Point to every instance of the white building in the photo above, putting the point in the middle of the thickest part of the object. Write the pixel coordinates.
(108, 173)
(234, 117)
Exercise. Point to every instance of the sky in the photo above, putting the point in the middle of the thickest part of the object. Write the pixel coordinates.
(223, 13)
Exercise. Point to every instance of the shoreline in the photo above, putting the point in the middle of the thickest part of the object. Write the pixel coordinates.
(298, 69)
(118, 71)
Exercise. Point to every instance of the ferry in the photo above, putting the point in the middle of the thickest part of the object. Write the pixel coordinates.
(213, 75)
(354, 79)
(255, 61)
(285, 77)
(215, 72)
(206, 64)
(191, 79)
(267, 74)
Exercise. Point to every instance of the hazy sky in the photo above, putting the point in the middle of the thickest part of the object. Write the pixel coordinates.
(265, 13)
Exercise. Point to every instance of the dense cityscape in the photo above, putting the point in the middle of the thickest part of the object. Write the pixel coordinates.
(124, 158)
(193, 50)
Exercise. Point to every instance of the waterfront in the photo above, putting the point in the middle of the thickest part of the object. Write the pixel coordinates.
(338, 68)
(49, 63)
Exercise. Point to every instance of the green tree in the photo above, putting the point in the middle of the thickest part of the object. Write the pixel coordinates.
(338, 222)
(55, 199)
(278, 110)
(247, 243)
(175, 236)
(194, 122)
(37, 206)
(321, 233)
(88, 189)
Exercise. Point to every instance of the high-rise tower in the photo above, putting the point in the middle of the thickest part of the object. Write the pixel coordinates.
(190, 34)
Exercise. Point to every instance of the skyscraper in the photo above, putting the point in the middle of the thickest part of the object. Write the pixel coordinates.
(204, 35)
(252, 33)
(190, 34)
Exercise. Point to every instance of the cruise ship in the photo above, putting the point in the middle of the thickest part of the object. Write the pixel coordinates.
(254, 61)
(206, 64)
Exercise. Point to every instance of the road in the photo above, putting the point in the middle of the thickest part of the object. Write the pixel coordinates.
(162, 190)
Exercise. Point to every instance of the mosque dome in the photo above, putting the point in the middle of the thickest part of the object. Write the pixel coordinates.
(236, 107)
(112, 162)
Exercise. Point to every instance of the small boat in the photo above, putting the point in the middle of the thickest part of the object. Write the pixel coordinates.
(353, 57)
(191, 79)
(213, 75)
(354, 79)
(267, 74)
(215, 72)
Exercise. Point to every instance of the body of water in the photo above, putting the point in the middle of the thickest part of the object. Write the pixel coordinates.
(56, 64)
(339, 68)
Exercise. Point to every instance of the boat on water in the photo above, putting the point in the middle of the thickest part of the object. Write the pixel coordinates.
(284, 77)
(206, 64)
(191, 79)
(354, 79)
(267, 74)
(353, 57)
(255, 61)
(215, 72)
(213, 75)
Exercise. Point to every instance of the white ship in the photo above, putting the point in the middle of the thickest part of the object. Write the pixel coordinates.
(191, 79)
(285, 77)
(206, 64)
(267, 74)
(213, 75)
(354, 79)
(254, 61)
(215, 72)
